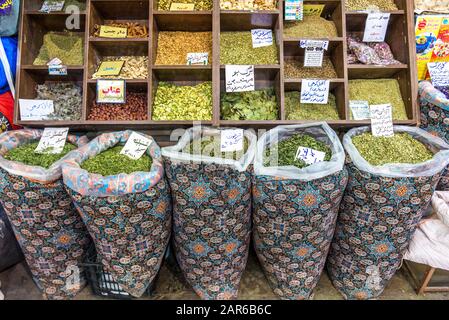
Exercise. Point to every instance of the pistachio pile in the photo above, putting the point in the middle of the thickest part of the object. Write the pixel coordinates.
(135, 67)
(294, 69)
(135, 108)
(135, 29)
(248, 5)
(173, 102)
(360, 5)
(67, 99)
(294, 110)
(66, 46)
(310, 27)
(200, 5)
(210, 146)
(252, 105)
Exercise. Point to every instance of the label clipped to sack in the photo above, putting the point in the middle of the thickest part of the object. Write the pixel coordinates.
(110, 68)
(310, 156)
(376, 27)
(197, 58)
(111, 91)
(315, 91)
(136, 146)
(262, 37)
(294, 10)
(177, 6)
(382, 120)
(113, 32)
(35, 110)
(231, 140)
(360, 110)
(239, 78)
(314, 52)
(52, 6)
(313, 9)
(439, 73)
(52, 140)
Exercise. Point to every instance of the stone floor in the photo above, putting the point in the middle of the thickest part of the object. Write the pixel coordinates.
(17, 284)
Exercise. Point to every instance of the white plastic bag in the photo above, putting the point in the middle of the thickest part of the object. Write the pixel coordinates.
(398, 170)
(174, 153)
(440, 204)
(320, 131)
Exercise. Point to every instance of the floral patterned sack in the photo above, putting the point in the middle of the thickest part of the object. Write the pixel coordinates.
(378, 215)
(50, 232)
(435, 118)
(127, 215)
(212, 215)
(294, 217)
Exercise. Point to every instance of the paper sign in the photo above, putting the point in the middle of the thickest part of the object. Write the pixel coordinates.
(57, 70)
(110, 68)
(262, 37)
(113, 32)
(239, 78)
(197, 58)
(314, 52)
(52, 140)
(136, 146)
(315, 91)
(382, 120)
(52, 5)
(360, 110)
(310, 156)
(376, 27)
(32, 110)
(294, 10)
(111, 91)
(313, 9)
(314, 43)
(182, 6)
(54, 62)
(231, 140)
(439, 73)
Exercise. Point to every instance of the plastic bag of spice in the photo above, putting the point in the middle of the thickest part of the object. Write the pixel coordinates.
(126, 206)
(382, 206)
(435, 118)
(211, 194)
(295, 208)
(50, 232)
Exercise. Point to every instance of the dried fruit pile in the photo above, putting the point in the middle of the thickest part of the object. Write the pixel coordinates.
(135, 108)
(210, 146)
(135, 67)
(248, 5)
(67, 99)
(294, 69)
(251, 105)
(66, 46)
(135, 29)
(294, 110)
(377, 53)
(360, 5)
(200, 5)
(310, 27)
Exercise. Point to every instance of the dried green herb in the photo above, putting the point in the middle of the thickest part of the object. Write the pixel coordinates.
(237, 48)
(304, 111)
(251, 105)
(359, 5)
(210, 146)
(26, 155)
(67, 99)
(401, 148)
(285, 151)
(111, 162)
(294, 69)
(66, 46)
(80, 4)
(173, 102)
(310, 27)
(200, 5)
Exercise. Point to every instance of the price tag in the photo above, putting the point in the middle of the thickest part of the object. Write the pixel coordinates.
(239, 78)
(310, 156)
(52, 140)
(110, 68)
(176, 6)
(35, 110)
(313, 9)
(360, 109)
(136, 146)
(231, 140)
(111, 91)
(314, 52)
(262, 37)
(57, 70)
(52, 6)
(197, 58)
(376, 27)
(439, 73)
(54, 62)
(315, 91)
(113, 32)
(294, 10)
(382, 120)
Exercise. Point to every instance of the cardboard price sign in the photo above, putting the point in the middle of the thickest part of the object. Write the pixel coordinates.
(231, 140)
(52, 140)
(315, 91)
(176, 6)
(110, 68)
(35, 110)
(376, 27)
(382, 120)
(113, 32)
(239, 78)
(310, 156)
(111, 91)
(136, 146)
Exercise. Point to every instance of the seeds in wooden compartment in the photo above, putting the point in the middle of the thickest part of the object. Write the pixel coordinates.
(252, 105)
(67, 99)
(294, 69)
(200, 5)
(310, 27)
(360, 5)
(135, 67)
(135, 108)
(295, 110)
(248, 5)
(66, 46)
(135, 29)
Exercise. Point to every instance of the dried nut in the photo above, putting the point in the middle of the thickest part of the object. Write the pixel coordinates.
(135, 108)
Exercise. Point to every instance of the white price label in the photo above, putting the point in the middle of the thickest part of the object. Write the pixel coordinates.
(262, 37)
(382, 120)
(294, 10)
(360, 109)
(52, 5)
(57, 70)
(376, 27)
(35, 110)
(197, 58)
(310, 156)
(439, 73)
(313, 57)
(239, 78)
(231, 140)
(52, 140)
(315, 91)
(136, 146)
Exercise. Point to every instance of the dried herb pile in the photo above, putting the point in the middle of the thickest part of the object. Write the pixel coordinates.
(251, 105)
(111, 162)
(26, 155)
(135, 67)
(295, 110)
(210, 147)
(67, 99)
(359, 5)
(379, 91)
(294, 69)
(285, 151)
(401, 148)
(310, 27)
(66, 46)
(200, 5)
(237, 48)
(135, 29)
(135, 108)
(173, 47)
(174, 102)
(248, 5)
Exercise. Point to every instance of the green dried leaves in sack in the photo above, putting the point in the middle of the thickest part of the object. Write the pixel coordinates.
(210, 146)
(284, 152)
(26, 155)
(66, 46)
(250, 105)
(295, 110)
(111, 162)
(310, 27)
(67, 99)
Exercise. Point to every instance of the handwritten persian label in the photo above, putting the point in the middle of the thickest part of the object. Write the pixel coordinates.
(136, 146)
(176, 6)
(111, 91)
(239, 78)
(262, 37)
(310, 156)
(439, 73)
(52, 6)
(294, 10)
(360, 109)
(113, 32)
(231, 140)
(315, 91)
(376, 27)
(110, 68)
(52, 140)
(314, 52)
(35, 110)
(313, 9)
(197, 58)
(382, 120)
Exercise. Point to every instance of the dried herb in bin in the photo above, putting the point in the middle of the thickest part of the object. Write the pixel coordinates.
(111, 162)
(66, 46)
(401, 148)
(361, 5)
(26, 155)
(248, 5)
(251, 105)
(310, 27)
(294, 69)
(295, 110)
(67, 99)
(210, 146)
